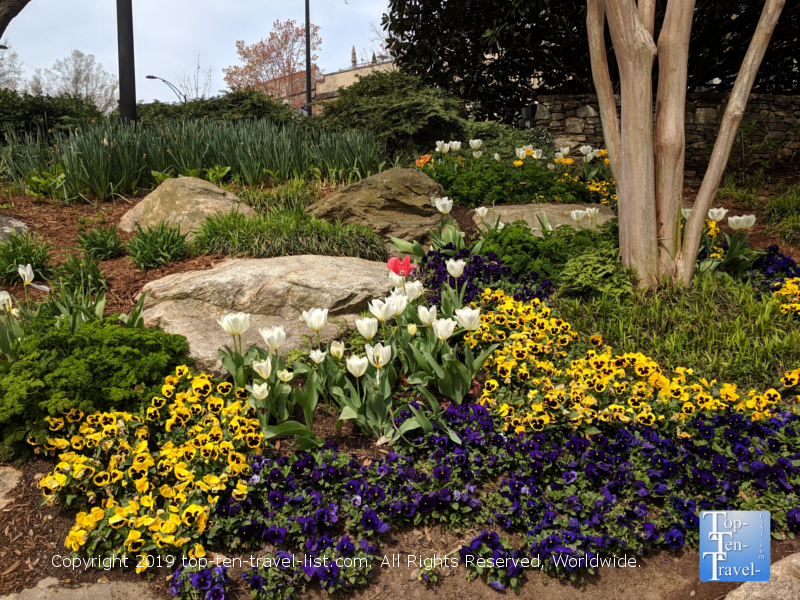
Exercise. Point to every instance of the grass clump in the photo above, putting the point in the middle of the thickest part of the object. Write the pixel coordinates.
(157, 246)
(102, 243)
(293, 195)
(24, 248)
(81, 273)
(286, 233)
(721, 328)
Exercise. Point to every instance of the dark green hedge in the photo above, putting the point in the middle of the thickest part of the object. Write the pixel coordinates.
(24, 112)
(235, 106)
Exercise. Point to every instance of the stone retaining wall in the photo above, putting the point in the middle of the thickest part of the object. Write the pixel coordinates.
(575, 120)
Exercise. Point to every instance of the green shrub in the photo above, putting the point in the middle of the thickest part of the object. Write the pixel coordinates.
(157, 246)
(24, 248)
(722, 328)
(597, 272)
(102, 243)
(285, 234)
(294, 194)
(81, 273)
(101, 366)
(500, 138)
(23, 112)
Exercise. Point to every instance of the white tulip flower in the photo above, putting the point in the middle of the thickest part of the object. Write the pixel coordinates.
(263, 368)
(589, 157)
(521, 153)
(577, 215)
(444, 205)
(585, 150)
(397, 280)
(469, 318)
(497, 157)
(273, 337)
(27, 274)
(427, 315)
(455, 267)
(5, 300)
(559, 155)
(337, 350)
(717, 214)
(551, 166)
(537, 154)
(285, 376)
(500, 225)
(528, 148)
(475, 144)
(316, 319)
(477, 154)
(383, 310)
(357, 366)
(260, 391)
(743, 222)
(367, 327)
(592, 212)
(400, 302)
(565, 151)
(442, 147)
(413, 290)
(378, 355)
(443, 328)
(455, 146)
(317, 356)
(412, 329)
(235, 323)
(686, 212)
(481, 211)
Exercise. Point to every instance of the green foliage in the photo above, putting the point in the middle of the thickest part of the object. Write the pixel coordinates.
(81, 273)
(722, 328)
(285, 233)
(247, 105)
(157, 246)
(789, 229)
(101, 366)
(503, 139)
(22, 112)
(597, 272)
(101, 243)
(783, 206)
(24, 248)
(294, 194)
(405, 114)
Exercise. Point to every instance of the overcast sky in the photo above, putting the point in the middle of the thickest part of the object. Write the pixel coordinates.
(168, 33)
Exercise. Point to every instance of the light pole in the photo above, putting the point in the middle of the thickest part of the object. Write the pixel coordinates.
(127, 68)
(308, 60)
(181, 96)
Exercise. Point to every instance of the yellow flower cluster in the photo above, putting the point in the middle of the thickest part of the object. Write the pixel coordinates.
(564, 161)
(606, 190)
(140, 500)
(788, 293)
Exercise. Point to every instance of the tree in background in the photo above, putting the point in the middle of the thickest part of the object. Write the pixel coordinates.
(10, 68)
(273, 66)
(493, 52)
(79, 75)
(196, 85)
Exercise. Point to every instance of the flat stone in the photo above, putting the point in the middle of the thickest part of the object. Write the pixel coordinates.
(9, 478)
(185, 202)
(542, 113)
(587, 111)
(783, 584)
(557, 214)
(573, 125)
(47, 589)
(9, 225)
(705, 116)
(274, 291)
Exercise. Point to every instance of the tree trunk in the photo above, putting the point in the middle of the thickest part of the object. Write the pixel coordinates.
(636, 51)
(727, 133)
(8, 10)
(670, 133)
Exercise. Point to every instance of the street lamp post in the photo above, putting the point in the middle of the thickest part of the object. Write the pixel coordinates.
(308, 59)
(127, 69)
(181, 96)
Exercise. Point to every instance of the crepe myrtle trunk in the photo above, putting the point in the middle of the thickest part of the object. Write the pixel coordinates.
(8, 10)
(647, 155)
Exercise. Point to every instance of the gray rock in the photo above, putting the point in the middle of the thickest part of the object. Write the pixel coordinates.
(9, 225)
(559, 143)
(587, 111)
(274, 291)
(9, 478)
(557, 214)
(705, 116)
(783, 584)
(184, 202)
(573, 125)
(395, 203)
(47, 589)
(542, 113)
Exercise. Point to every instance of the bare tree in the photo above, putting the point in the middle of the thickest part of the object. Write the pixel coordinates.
(648, 160)
(10, 68)
(378, 48)
(8, 10)
(196, 84)
(78, 74)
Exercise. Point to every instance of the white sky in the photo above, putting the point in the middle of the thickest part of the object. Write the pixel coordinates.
(168, 33)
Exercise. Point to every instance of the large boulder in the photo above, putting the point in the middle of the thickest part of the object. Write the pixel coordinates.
(274, 291)
(783, 584)
(557, 214)
(395, 203)
(184, 202)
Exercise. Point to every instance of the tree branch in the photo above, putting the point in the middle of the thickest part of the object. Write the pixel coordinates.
(647, 12)
(8, 10)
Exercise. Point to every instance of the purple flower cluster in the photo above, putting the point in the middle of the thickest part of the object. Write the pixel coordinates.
(189, 582)
(480, 272)
(772, 269)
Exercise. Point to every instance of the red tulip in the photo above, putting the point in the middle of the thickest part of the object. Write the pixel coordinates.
(399, 267)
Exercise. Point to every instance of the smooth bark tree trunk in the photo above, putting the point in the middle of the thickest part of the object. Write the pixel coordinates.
(8, 10)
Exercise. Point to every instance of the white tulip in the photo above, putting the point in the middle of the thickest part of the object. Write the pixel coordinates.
(589, 157)
(400, 302)
(455, 146)
(235, 324)
(577, 215)
(263, 368)
(367, 327)
(316, 319)
(585, 150)
(500, 225)
(481, 211)
(337, 350)
(378, 355)
(285, 376)
(469, 318)
(497, 157)
(5, 300)
(455, 267)
(477, 154)
(521, 153)
(317, 356)
(443, 328)
(551, 166)
(559, 155)
(273, 337)
(592, 212)
(444, 205)
(565, 151)
(260, 391)
(442, 147)
(717, 214)
(743, 222)
(357, 366)
(27, 274)
(475, 144)
(413, 290)
(397, 280)
(427, 315)
(412, 330)
(686, 212)
(383, 310)
(537, 154)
